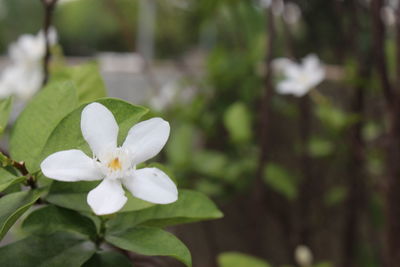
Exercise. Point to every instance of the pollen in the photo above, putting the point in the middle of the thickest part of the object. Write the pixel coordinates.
(115, 164)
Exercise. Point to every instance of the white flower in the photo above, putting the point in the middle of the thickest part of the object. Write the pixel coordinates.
(25, 74)
(299, 78)
(291, 13)
(116, 166)
(29, 50)
(19, 81)
(303, 256)
(265, 3)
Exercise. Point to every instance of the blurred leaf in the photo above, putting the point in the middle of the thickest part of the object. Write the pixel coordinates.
(236, 259)
(73, 196)
(191, 206)
(323, 264)
(87, 79)
(319, 147)
(8, 179)
(209, 187)
(58, 219)
(56, 250)
(12, 206)
(335, 195)
(279, 179)
(67, 134)
(238, 122)
(151, 242)
(37, 121)
(108, 259)
(5, 110)
(212, 163)
(371, 131)
(180, 145)
(335, 118)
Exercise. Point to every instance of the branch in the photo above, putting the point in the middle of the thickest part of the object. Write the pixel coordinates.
(379, 33)
(49, 6)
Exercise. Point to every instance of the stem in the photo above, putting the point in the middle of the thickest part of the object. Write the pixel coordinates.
(307, 186)
(259, 190)
(392, 185)
(379, 33)
(49, 6)
(102, 232)
(356, 165)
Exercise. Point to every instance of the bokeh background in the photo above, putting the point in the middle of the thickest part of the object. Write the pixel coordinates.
(286, 171)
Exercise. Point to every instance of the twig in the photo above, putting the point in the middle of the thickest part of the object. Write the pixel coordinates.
(49, 6)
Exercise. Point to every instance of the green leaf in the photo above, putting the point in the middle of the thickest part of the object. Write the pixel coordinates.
(58, 219)
(180, 144)
(87, 79)
(73, 196)
(12, 206)
(5, 110)
(319, 147)
(7, 179)
(279, 179)
(108, 259)
(37, 121)
(151, 242)
(335, 195)
(190, 207)
(324, 264)
(212, 163)
(236, 259)
(238, 122)
(67, 134)
(56, 250)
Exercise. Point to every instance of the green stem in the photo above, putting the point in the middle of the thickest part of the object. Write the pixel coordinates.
(102, 232)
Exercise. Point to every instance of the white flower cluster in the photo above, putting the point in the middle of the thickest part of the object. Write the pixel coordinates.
(24, 76)
(299, 79)
(290, 11)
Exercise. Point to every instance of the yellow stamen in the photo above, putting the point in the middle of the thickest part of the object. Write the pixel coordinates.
(115, 164)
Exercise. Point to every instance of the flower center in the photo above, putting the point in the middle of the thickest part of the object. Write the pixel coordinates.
(115, 164)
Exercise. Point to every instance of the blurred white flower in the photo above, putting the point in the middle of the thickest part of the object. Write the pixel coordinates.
(19, 81)
(171, 92)
(299, 78)
(303, 256)
(278, 6)
(265, 3)
(393, 3)
(25, 74)
(388, 15)
(291, 13)
(114, 165)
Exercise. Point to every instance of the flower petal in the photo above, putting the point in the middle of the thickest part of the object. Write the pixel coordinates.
(146, 139)
(107, 198)
(71, 166)
(152, 185)
(99, 128)
(291, 87)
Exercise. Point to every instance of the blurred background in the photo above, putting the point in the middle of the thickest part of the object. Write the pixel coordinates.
(302, 181)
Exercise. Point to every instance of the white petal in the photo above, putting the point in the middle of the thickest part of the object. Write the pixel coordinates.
(107, 198)
(311, 62)
(292, 70)
(291, 87)
(99, 128)
(71, 166)
(279, 64)
(152, 185)
(146, 139)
